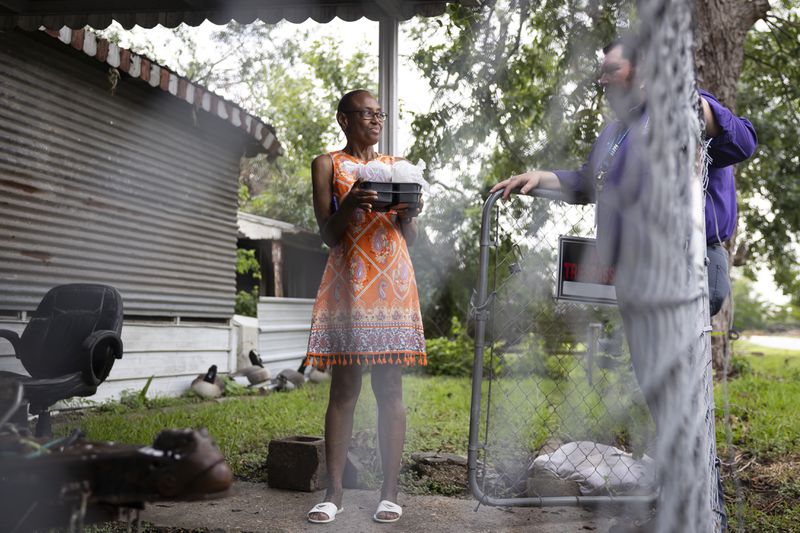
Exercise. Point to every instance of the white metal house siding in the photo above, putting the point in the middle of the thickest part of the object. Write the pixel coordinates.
(122, 189)
(173, 354)
(283, 329)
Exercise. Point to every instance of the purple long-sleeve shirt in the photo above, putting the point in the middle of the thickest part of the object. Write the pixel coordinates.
(736, 143)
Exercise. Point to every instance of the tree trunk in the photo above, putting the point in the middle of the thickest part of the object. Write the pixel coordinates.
(722, 26)
(720, 34)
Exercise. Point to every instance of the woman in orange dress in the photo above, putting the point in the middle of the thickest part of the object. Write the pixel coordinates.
(367, 308)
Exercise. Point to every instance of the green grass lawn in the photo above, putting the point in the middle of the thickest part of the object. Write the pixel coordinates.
(526, 410)
(761, 436)
(242, 426)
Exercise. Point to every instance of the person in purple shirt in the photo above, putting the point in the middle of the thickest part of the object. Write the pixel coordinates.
(732, 140)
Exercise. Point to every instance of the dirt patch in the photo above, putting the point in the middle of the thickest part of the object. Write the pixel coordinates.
(436, 473)
(770, 488)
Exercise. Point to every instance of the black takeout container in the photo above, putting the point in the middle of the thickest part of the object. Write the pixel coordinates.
(391, 194)
(385, 193)
(407, 193)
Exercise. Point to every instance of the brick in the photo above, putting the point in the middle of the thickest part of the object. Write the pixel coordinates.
(297, 463)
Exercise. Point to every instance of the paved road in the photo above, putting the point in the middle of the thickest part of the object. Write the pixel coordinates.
(782, 343)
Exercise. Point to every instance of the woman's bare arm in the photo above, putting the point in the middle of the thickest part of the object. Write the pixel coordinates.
(332, 225)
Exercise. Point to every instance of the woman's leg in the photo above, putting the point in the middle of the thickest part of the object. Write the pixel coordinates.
(388, 388)
(345, 388)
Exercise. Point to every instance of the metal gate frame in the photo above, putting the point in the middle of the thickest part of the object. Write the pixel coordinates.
(481, 312)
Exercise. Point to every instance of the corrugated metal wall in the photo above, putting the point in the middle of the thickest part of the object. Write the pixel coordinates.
(122, 189)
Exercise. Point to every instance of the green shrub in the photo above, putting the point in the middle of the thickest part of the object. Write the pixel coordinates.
(529, 357)
(247, 303)
(740, 366)
(454, 355)
(446, 357)
(557, 367)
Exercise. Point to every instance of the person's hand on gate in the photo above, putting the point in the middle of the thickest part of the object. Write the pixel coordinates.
(527, 182)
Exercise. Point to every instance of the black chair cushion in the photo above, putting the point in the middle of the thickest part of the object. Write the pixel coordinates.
(51, 345)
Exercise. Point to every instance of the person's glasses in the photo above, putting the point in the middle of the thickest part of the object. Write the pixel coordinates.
(366, 114)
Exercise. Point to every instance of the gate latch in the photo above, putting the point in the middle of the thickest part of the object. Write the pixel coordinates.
(480, 312)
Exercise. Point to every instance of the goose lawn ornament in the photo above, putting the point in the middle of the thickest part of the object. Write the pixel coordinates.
(208, 385)
(257, 373)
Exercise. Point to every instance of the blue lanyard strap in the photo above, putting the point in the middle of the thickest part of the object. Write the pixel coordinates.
(613, 148)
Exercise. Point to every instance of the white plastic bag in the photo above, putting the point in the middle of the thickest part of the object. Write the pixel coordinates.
(375, 171)
(404, 172)
(598, 467)
(400, 172)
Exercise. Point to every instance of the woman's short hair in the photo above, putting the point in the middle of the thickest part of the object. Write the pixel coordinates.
(346, 103)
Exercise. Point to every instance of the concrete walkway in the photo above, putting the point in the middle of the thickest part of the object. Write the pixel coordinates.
(258, 508)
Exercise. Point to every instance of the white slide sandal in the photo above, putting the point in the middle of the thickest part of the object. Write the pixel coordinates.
(327, 508)
(387, 507)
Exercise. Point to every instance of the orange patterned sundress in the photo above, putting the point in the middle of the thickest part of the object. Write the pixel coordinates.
(367, 306)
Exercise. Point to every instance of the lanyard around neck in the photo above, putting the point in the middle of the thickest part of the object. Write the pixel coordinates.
(605, 164)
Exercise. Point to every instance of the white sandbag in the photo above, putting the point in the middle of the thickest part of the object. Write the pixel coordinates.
(598, 467)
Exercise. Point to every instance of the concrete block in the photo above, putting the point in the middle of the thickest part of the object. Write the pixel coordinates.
(297, 463)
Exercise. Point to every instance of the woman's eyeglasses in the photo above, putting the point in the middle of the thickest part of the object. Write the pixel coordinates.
(366, 114)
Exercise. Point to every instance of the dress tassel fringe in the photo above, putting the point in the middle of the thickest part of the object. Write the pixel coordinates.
(405, 359)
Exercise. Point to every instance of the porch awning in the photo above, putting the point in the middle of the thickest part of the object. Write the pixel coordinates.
(262, 228)
(31, 14)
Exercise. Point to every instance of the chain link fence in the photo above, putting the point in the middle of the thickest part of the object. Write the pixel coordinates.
(557, 415)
